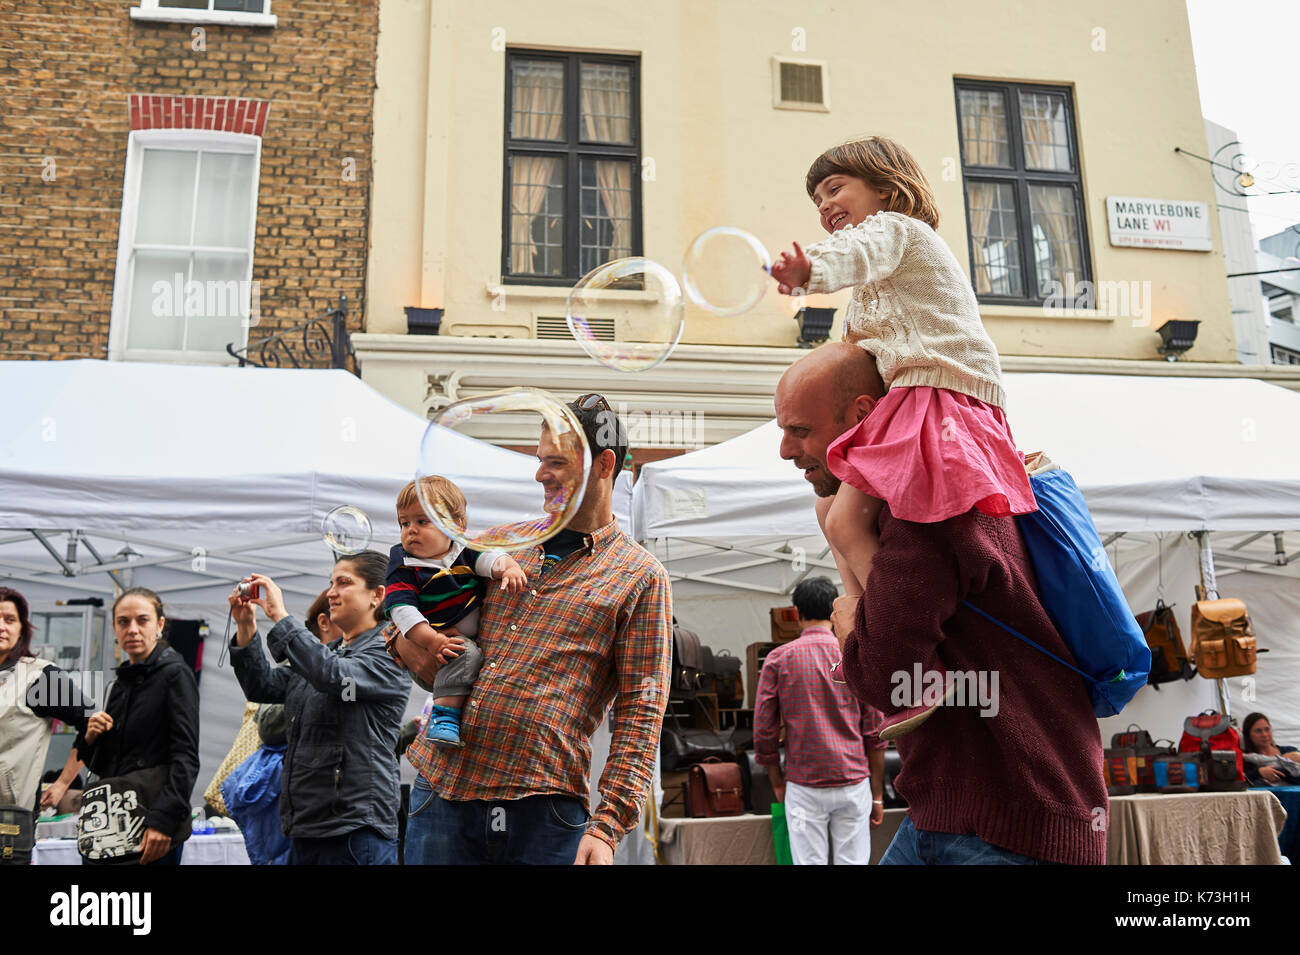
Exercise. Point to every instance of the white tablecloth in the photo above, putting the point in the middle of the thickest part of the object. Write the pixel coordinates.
(219, 848)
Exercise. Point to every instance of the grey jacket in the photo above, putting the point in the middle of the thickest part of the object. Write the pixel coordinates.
(344, 704)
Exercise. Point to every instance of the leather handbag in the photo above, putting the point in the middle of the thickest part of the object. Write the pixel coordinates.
(1120, 765)
(17, 835)
(680, 746)
(1223, 640)
(110, 825)
(714, 788)
(1169, 658)
(1177, 773)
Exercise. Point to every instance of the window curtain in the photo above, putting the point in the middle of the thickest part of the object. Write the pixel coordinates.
(979, 207)
(606, 112)
(538, 114)
(983, 133)
(1052, 209)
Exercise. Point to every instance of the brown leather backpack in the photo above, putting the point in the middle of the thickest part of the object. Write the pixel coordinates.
(1223, 640)
(1169, 658)
(687, 664)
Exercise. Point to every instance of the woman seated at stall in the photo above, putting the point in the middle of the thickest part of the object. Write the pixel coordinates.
(1257, 738)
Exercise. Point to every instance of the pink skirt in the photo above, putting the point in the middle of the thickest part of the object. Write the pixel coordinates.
(932, 454)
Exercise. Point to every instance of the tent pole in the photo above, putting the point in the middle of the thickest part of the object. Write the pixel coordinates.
(1209, 590)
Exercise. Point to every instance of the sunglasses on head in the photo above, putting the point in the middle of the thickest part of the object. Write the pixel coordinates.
(597, 402)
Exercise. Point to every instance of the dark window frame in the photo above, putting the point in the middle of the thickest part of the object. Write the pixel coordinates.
(1020, 178)
(572, 150)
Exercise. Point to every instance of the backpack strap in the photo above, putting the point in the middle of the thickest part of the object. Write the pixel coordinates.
(1091, 679)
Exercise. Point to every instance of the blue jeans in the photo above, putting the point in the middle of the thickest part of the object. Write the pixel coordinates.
(912, 846)
(536, 830)
(362, 846)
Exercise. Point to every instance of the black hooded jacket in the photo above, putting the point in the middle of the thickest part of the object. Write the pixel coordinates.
(155, 709)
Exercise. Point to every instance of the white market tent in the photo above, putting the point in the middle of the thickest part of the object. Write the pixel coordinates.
(1156, 458)
(206, 474)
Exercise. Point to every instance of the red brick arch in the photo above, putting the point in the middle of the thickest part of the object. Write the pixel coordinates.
(219, 113)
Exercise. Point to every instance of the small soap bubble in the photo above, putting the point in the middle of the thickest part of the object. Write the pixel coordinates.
(346, 529)
(726, 271)
(627, 314)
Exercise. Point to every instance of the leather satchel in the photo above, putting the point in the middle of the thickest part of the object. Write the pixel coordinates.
(714, 788)
(17, 835)
(1223, 640)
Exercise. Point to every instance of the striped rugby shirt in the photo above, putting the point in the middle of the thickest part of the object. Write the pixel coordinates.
(595, 629)
(444, 591)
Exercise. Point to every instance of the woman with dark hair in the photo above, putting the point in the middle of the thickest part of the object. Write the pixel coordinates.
(344, 702)
(1257, 737)
(150, 721)
(33, 693)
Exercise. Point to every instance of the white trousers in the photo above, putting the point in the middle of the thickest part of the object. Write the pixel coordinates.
(838, 817)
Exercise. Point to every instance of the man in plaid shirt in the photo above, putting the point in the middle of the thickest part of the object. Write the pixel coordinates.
(591, 627)
(833, 782)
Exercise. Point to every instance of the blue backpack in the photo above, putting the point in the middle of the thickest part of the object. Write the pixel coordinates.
(1081, 594)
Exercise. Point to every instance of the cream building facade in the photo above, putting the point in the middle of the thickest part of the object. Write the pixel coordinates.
(516, 143)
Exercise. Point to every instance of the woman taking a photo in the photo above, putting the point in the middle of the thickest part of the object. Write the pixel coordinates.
(344, 702)
(150, 721)
(33, 693)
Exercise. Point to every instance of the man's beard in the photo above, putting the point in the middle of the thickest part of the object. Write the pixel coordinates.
(827, 484)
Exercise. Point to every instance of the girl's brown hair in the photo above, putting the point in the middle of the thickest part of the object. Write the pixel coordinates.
(885, 165)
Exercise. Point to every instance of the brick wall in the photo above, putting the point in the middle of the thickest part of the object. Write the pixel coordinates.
(68, 70)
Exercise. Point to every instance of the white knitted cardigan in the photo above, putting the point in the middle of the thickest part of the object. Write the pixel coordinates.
(913, 308)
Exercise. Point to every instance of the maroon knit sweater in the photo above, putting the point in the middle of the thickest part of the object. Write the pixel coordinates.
(1027, 779)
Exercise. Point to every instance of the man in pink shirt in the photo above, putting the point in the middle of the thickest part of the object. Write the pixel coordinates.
(834, 764)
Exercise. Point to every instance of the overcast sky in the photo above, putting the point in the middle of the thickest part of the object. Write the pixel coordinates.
(1249, 75)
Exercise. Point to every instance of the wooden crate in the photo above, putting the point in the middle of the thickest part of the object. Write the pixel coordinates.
(674, 786)
(754, 656)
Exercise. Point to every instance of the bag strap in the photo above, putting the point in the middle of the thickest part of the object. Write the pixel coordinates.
(1091, 679)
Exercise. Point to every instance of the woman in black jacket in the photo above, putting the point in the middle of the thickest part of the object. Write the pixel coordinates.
(151, 719)
(339, 793)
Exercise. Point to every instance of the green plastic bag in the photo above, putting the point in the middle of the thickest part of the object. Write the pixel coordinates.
(781, 835)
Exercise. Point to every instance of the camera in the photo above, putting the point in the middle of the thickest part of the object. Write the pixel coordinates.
(249, 589)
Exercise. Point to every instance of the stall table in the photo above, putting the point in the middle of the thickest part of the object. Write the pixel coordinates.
(1234, 828)
(218, 848)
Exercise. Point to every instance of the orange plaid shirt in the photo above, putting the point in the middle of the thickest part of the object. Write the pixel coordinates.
(594, 629)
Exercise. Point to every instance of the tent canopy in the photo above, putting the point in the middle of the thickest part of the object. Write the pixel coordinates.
(1150, 454)
(185, 478)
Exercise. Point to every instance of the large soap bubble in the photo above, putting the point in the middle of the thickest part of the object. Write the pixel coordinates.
(512, 500)
(627, 314)
(346, 529)
(726, 271)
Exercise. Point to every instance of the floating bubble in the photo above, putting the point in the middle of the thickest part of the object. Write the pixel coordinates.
(346, 529)
(512, 500)
(726, 271)
(627, 314)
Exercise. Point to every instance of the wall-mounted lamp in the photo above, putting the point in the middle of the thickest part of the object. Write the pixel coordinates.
(423, 321)
(1176, 337)
(814, 325)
